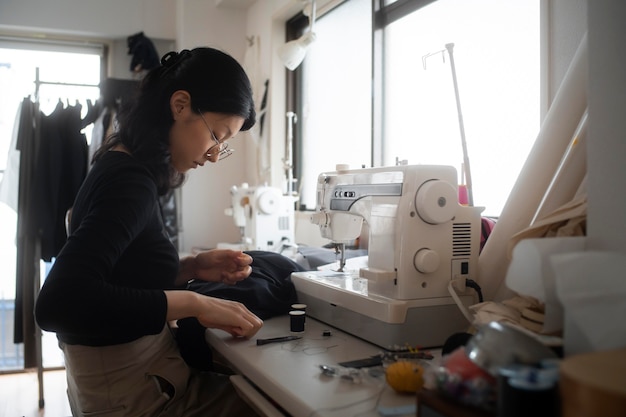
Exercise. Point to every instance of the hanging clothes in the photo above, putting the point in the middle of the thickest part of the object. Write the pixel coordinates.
(52, 165)
(27, 243)
(114, 93)
(144, 53)
(61, 168)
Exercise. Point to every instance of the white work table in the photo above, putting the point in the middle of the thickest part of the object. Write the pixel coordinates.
(288, 373)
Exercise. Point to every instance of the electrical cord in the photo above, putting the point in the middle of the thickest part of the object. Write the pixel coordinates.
(474, 285)
(459, 303)
(454, 284)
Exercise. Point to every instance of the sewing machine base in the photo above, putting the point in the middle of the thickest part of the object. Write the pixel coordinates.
(388, 323)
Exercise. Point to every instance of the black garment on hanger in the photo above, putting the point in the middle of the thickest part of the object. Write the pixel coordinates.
(114, 94)
(61, 168)
(144, 54)
(116, 91)
(27, 244)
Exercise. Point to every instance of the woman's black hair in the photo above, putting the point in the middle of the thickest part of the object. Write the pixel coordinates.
(216, 83)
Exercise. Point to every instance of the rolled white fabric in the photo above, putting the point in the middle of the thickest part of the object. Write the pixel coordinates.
(554, 137)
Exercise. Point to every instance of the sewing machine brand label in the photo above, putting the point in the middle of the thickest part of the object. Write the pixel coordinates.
(345, 195)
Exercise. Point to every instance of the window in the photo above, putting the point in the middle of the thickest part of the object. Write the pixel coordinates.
(67, 75)
(335, 108)
(495, 46)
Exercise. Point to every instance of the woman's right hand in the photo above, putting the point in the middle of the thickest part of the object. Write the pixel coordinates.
(230, 316)
(216, 313)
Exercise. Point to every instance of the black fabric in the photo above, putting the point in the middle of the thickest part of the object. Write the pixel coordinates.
(144, 54)
(455, 341)
(267, 292)
(27, 262)
(106, 285)
(53, 162)
(116, 91)
(62, 166)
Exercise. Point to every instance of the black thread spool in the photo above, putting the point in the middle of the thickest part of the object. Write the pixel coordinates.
(296, 321)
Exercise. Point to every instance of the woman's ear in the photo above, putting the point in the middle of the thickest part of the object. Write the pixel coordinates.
(180, 102)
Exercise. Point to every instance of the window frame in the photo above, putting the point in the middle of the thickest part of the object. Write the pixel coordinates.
(382, 15)
(295, 27)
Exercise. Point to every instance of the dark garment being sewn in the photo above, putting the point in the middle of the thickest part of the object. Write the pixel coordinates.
(267, 292)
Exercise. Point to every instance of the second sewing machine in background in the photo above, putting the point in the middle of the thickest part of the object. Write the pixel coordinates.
(264, 216)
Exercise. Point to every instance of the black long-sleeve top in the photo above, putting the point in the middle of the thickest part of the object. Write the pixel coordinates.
(106, 285)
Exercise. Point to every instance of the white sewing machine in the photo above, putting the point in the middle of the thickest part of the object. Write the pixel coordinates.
(420, 239)
(264, 216)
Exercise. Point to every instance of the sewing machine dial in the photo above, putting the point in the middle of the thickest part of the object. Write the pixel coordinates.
(268, 201)
(426, 261)
(436, 201)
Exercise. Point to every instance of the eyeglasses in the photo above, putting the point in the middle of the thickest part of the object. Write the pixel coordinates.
(221, 148)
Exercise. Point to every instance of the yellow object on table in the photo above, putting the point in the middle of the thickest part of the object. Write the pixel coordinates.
(405, 376)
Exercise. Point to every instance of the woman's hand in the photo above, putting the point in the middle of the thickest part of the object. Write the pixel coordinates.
(215, 313)
(222, 265)
(230, 316)
(217, 265)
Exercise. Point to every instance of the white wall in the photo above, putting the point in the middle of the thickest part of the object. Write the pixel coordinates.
(205, 195)
(567, 23)
(606, 229)
(108, 19)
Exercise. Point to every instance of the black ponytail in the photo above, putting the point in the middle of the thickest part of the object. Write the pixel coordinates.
(216, 83)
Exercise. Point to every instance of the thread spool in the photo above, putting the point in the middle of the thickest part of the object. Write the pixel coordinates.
(463, 195)
(296, 321)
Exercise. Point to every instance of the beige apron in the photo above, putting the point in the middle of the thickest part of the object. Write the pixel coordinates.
(145, 378)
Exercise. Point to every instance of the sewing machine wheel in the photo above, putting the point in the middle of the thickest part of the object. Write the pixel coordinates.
(268, 202)
(436, 201)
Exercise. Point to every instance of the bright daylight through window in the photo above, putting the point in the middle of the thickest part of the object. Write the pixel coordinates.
(337, 95)
(496, 55)
(18, 69)
(495, 46)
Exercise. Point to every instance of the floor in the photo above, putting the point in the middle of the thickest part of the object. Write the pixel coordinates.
(19, 395)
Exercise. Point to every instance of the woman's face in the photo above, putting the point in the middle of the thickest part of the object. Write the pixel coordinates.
(192, 135)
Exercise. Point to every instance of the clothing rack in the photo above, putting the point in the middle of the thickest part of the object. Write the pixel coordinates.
(38, 84)
(37, 283)
(113, 92)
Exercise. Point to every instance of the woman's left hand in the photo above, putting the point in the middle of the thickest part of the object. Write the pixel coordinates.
(222, 265)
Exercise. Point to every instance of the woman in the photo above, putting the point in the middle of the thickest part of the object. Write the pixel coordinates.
(118, 281)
